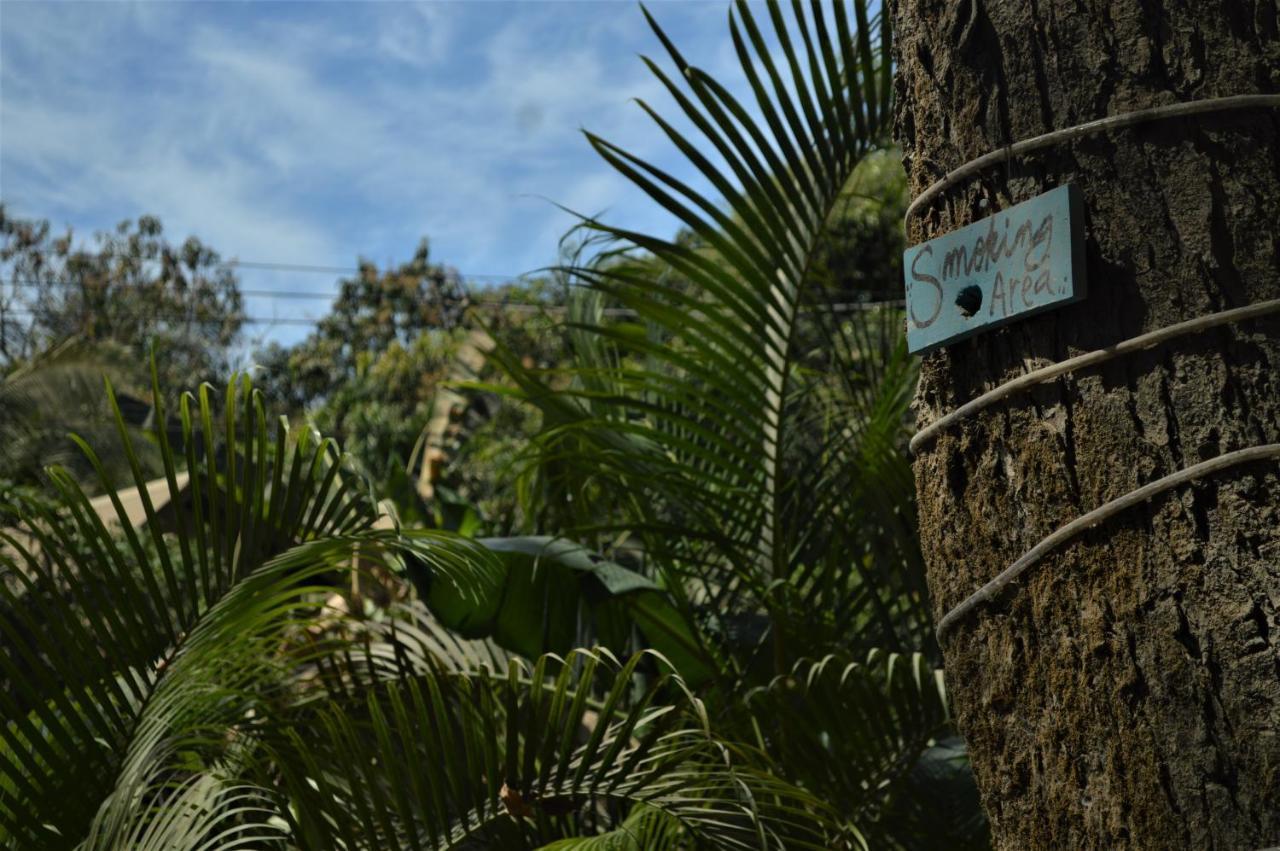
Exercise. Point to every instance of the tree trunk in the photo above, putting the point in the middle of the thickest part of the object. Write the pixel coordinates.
(1125, 693)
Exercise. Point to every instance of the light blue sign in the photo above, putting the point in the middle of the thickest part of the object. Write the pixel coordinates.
(1020, 262)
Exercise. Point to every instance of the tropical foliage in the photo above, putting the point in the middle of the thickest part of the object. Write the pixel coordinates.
(711, 632)
(59, 391)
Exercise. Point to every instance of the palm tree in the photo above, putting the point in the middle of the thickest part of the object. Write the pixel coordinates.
(738, 405)
(725, 518)
(740, 440)
(1123, 694)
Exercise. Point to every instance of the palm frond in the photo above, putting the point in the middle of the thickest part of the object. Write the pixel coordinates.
(462, 758)
(874, 734)
(749, 436)
(98, 624)
(158, 683)
(644, 829)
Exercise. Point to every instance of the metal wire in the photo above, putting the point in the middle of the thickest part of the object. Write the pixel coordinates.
(1039, 376)
(992, 589)
(1113, 122)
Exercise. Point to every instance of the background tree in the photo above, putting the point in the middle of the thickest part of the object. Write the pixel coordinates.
(1126, 693)
(129, 287)
(367, 373)
(379, 369)
(860, 255)
(71, 315)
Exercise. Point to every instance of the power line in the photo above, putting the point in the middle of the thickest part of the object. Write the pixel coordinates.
(311, 268)
(297, 294)
(479, 302)
(245, 320)
(341, 270)
(500, 304)
(838, 307)
(285, 294)
(34, 283)
(261, 320)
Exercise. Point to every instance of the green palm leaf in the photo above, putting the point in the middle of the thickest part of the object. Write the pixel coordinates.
(750, 437)
(100, 626)
(163, 688)
(645, 829)
(467, 758)
(874, 735)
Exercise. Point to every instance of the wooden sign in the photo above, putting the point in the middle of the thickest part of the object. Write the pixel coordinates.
(1020, 262)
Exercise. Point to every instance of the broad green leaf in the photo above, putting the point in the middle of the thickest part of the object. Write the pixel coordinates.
(552, 595)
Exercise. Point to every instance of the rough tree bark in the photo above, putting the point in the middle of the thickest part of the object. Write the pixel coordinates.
(1126, 692)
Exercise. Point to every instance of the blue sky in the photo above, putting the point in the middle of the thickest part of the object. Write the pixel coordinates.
(313, 133)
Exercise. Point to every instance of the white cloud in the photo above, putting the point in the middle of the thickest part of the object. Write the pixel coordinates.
(311, 133)
(417, 34)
